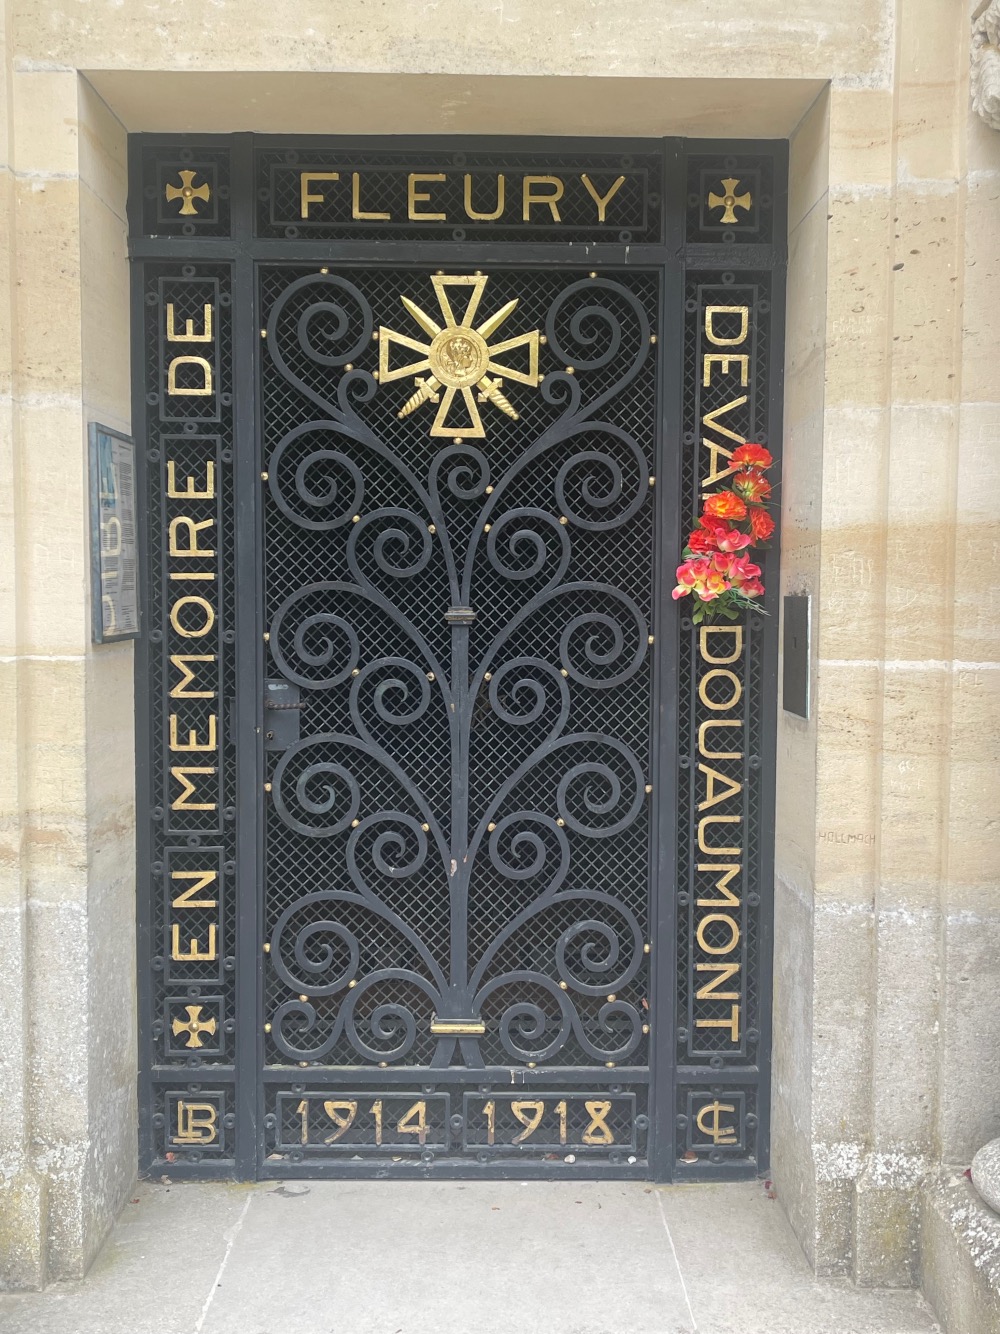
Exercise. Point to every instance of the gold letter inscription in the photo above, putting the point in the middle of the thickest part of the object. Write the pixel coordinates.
(413, 195)
(717, 339)
(530, 196)
(181, 803)
(191, 491)
(483, 217)
(356, 211)
(192, 391)
(202, 879)
(180, 661)
(198, 602)
(193, 529)
(192, 743)
(189, 335)
(305, 180)
(602, 201)
(194, 950)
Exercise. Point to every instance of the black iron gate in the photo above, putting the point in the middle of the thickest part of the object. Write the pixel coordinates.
(422, 737)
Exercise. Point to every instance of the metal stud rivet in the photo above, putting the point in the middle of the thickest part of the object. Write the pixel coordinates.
(649, 788)
(375, 336)
(652, 338)
(383, 1065)
(563, 671)
(646, 949)
(426, 828)
(610, 1064)
(324, 270)
(267, 948)
(570, 370)
(532, 1064)
(430, 676)
(267, 1028)
(563, 520)
(650, 639)
(267, 636)
(489, 490)
(645, 1028)
(652, 481)
(560, 822)
(375, 375)
(491, 826)
(612, 998)
(303, 998)
(543, 339)
(355, 822)
(355, 671)
(263, 333)
(487, 676)
(356, 518)
(431, 528)
(263, 477)
(593, 275)
(353, 982)
(349, 366)
(564, 986)
(267, 787)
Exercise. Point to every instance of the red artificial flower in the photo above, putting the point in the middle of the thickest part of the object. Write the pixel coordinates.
(752, 486)
(761, 524)
(752, 456)
(702, 541)
(725, 505)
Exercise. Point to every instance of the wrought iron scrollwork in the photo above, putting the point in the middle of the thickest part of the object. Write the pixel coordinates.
(558, 977)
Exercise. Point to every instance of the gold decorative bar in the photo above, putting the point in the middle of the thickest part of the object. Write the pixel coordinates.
(457, 1028)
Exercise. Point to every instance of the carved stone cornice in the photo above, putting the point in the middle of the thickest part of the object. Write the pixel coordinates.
(985, 80)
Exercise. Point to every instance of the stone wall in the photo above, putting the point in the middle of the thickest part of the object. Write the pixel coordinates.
(887, 1027)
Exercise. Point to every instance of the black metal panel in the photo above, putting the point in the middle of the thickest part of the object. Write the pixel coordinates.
(450, 937)
(795, 654)
(462, 835)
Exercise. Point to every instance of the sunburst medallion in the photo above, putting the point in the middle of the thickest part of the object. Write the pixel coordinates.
(459, 358)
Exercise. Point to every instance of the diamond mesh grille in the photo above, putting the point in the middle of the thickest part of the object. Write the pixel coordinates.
(526, 754)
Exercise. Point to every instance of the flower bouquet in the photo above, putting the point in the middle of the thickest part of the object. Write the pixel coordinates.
(717, 572)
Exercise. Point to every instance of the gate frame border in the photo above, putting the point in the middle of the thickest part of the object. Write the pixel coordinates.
(672, 257)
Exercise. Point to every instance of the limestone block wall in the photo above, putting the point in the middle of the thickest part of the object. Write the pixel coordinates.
(887, 1021)
(67, 1014)
(887, 1060)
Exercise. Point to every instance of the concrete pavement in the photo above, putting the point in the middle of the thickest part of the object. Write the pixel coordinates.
(456, 1258)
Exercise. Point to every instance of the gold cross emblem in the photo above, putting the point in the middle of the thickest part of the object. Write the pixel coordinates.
(730, 201)
(188, 192)
(194, 1026)
(459, 358)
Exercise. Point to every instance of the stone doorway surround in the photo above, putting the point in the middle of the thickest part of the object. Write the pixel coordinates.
(887, 948)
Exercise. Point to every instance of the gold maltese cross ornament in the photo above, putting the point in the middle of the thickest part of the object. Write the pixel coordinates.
(459, 358)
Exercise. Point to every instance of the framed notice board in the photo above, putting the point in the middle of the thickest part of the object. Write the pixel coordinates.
(114, 590)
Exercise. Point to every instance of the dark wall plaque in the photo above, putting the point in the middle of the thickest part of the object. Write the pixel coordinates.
(795, 676)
